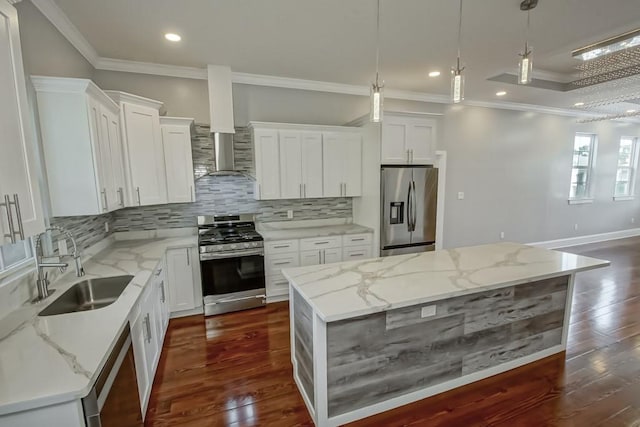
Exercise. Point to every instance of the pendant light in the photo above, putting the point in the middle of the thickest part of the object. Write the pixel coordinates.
(525, 66)
(457, 77)
(377, 97)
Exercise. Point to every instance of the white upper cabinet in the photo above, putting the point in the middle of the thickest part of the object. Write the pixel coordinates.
(290, 165)
(82, 146)
(408, 139)
(342, 164)
(144, 154)
(300, 164)
(22, 216)
(267, 155)
(311, 164)
(306, 161)
(176, 141)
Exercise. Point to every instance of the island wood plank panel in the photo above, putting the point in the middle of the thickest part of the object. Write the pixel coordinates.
(235, 369)
(377, 357)
(303, 339)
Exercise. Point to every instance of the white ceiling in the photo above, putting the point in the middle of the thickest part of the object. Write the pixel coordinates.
(333, 40)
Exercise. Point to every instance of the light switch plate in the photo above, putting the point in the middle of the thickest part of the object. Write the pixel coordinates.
(428, 311)
(460, 195)
(290, 214)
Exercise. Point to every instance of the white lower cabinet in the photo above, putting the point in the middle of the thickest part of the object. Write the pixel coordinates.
(183, 272)
(282, 254)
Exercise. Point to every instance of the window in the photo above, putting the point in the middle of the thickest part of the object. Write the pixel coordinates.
(583, 152)
(627, 163)
(15, 255)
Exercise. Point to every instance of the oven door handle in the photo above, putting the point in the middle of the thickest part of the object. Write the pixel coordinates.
(207, 256)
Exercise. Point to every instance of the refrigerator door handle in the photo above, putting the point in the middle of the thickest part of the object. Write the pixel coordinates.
(414, 203)
(409, 208)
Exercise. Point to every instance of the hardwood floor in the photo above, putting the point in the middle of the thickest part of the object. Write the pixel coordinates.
(235, 369)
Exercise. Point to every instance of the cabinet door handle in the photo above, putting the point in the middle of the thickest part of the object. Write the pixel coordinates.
(138, 192)
(148, 325)
(191, 192)
(304, 190)
(281, 246)
(7, 205)
(121, 193)
(322, 243)
(359, 239)
(16, 202)
(104, 199)
(162, 298)
(188, 257)
(323, 257)
(282, 263)
(357, 254)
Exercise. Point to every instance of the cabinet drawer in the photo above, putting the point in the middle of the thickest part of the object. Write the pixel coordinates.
(354, 253)
(320, 243)
(356, 239)
(310, 257)
(275, 263)
(277, 285)
(280, 247)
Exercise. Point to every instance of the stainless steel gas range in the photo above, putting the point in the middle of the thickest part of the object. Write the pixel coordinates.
(231, 263)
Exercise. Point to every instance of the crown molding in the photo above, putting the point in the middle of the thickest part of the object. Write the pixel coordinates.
(124, 97)
(176, 121)
(72, 85)
(60, 20)
(123, 65)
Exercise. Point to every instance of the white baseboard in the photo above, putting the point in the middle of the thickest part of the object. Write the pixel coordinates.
(278, 298)
(583, 240)
(185, 313)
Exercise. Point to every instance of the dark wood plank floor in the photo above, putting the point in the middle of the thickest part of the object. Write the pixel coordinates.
(235, 369)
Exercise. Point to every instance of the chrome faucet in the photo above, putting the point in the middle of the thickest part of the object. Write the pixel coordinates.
(43, 277)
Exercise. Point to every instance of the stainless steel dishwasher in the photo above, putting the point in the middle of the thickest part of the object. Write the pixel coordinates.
(113, 401)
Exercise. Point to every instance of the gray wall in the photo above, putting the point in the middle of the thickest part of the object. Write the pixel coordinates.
(44, 50)
(514, 168)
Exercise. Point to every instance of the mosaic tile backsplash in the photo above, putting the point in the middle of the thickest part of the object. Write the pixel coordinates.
(214, 195)
(87, 230)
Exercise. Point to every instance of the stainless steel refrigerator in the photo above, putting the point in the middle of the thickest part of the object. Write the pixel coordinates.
(408, 212)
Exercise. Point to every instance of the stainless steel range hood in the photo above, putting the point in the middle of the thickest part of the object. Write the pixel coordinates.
(221, 118)
(223, 150)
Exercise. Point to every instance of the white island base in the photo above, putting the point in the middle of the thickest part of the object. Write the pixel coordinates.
(373, 335)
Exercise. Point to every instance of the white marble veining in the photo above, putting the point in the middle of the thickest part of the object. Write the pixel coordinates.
(349, 289)
(54, 359)
(304, 229)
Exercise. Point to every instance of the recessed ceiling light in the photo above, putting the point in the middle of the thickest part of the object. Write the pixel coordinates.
(501, 93)
(434, 73)
(631, 111)
(578, 104)
(172, 37)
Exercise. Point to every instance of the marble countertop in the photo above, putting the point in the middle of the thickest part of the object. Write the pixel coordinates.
(349, 289)
(271, 232)
(54, 359)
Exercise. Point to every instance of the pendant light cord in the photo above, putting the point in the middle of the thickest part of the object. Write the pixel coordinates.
(526, 34)
(378, 43)
(459, 32)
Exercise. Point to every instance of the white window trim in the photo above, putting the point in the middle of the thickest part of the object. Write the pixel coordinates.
(580, 201)
(591, 168)
(633, 167)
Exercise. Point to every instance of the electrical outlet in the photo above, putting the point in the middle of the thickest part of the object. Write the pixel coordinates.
(428, 311)
(290, 214)
(502, 235)
(460, 195)
(106, 226)
(575, 227)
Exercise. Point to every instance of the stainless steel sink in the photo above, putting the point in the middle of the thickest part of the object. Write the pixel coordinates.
(90, 294)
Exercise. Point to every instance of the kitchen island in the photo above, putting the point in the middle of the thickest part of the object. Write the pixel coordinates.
(369, 336)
